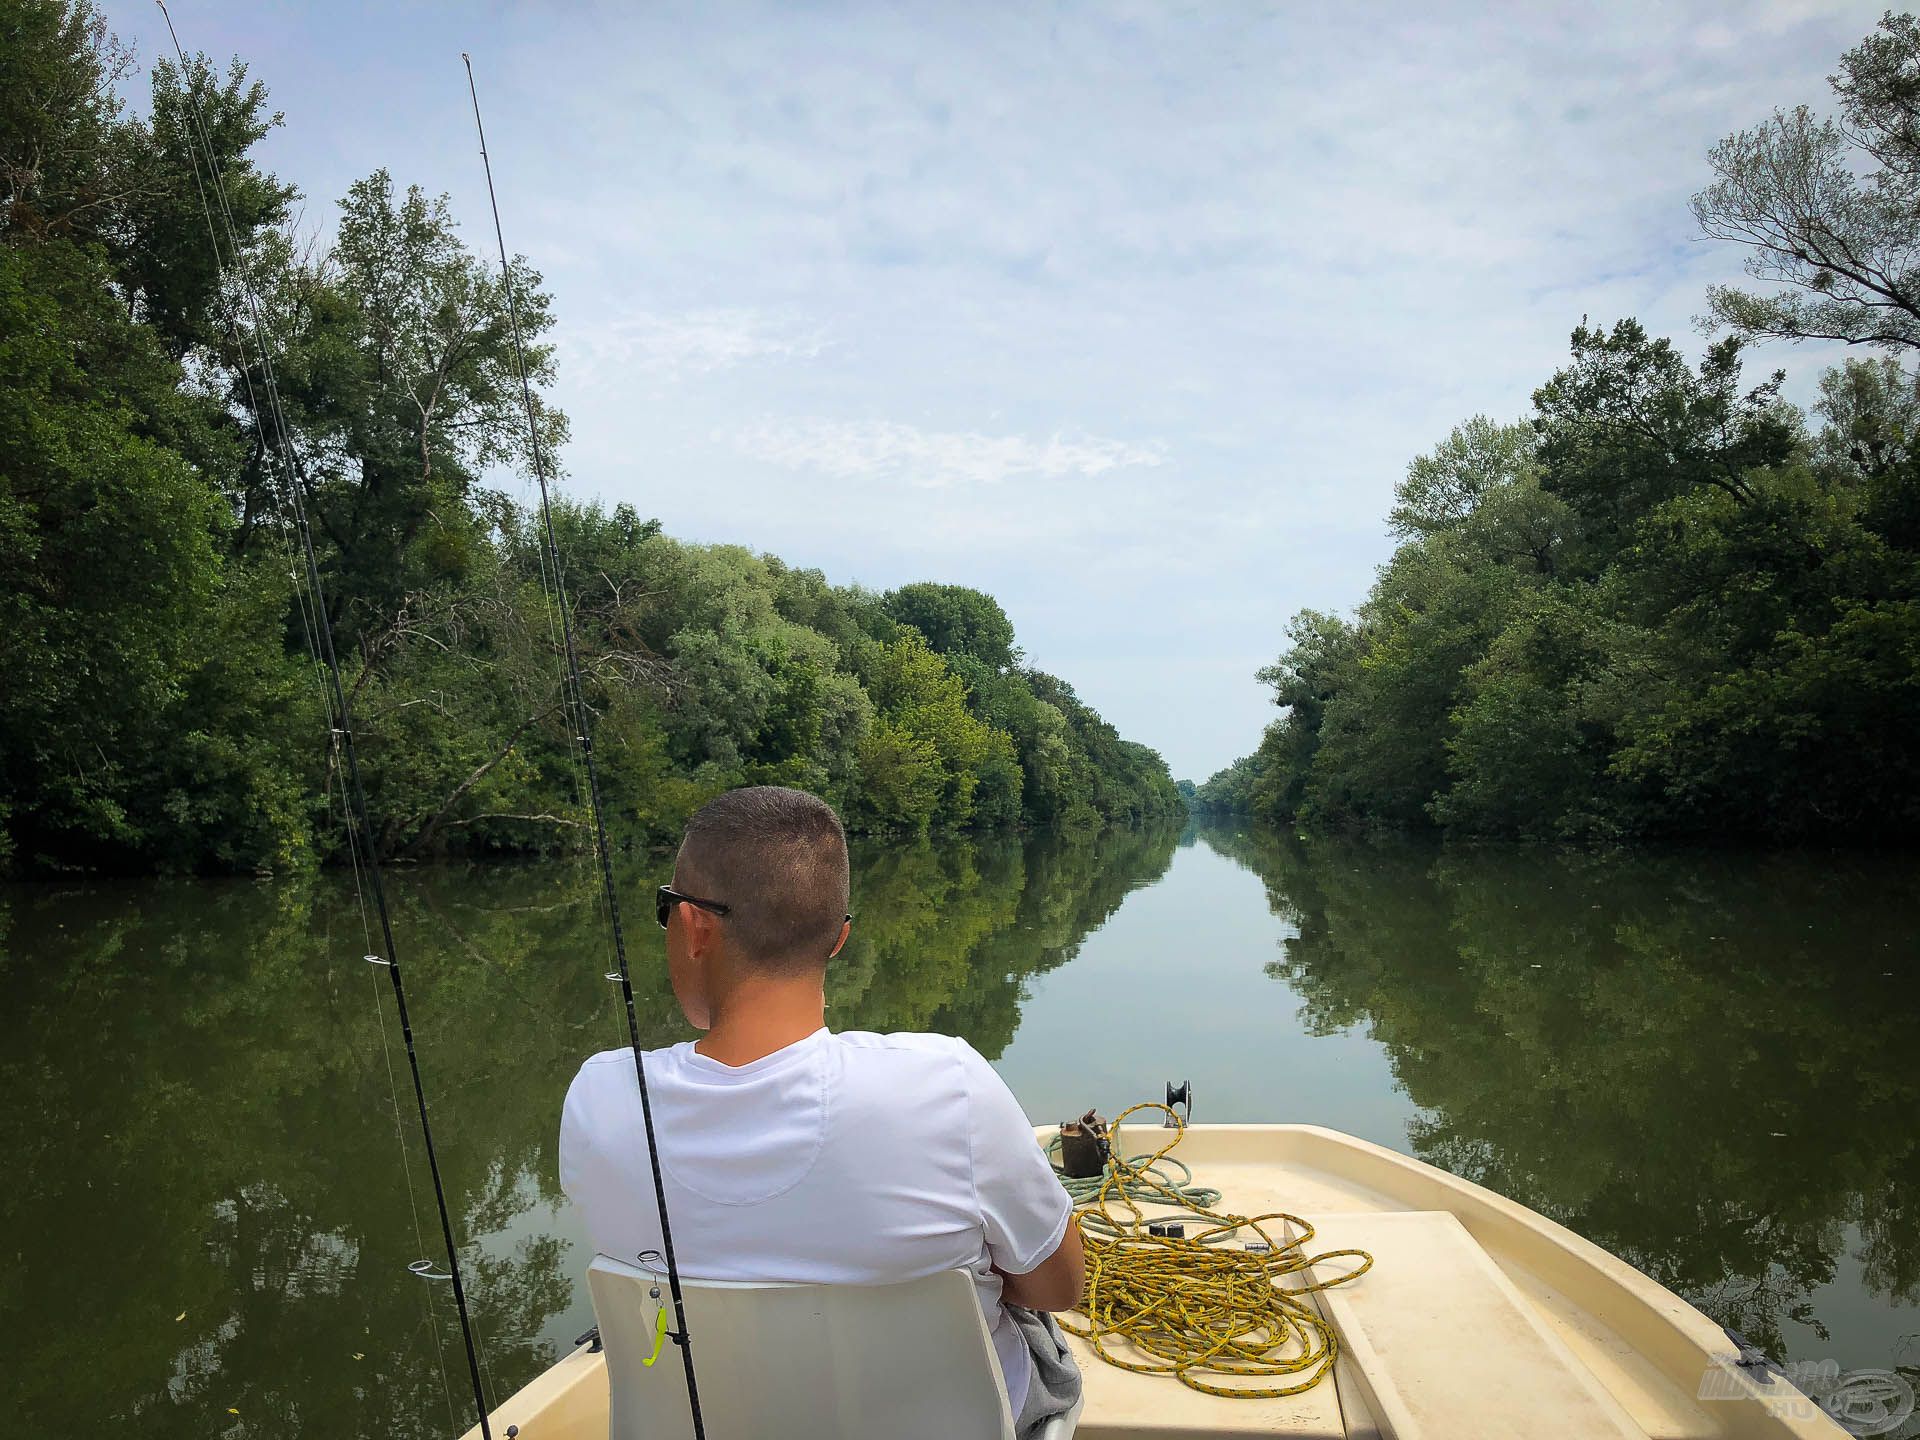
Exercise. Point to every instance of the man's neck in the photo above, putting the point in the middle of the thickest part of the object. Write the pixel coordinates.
(761, 1015)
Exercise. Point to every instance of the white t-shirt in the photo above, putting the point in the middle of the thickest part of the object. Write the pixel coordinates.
(851, 1159)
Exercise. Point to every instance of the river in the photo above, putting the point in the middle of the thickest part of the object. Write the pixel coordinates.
(1707, 1063)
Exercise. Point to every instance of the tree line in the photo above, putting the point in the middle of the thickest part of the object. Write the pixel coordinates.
(162, 704)
(1667, 604)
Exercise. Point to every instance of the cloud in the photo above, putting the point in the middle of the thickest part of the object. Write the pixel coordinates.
(1261, 255)
(887, 450)
(693, 342)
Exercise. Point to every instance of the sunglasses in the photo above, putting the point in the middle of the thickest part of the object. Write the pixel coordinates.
(666, 897)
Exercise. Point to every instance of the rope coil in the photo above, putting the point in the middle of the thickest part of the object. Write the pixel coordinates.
(1194, 1305)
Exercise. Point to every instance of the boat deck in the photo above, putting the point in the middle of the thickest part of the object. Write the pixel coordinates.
(1480, 1320)
(1492, 1303)
(1507, 1366)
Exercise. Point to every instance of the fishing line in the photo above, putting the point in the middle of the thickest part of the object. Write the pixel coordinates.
(577, 694)
(307, 606)
(406, 1167)
(302, 600)
(574, 768)
(340, 713)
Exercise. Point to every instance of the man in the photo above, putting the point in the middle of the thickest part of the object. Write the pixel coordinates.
(790, 1153)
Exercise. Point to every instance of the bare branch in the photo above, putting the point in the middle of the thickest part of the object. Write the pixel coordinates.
(426, 832)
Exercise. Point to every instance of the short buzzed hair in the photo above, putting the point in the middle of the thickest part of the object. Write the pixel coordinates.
(778, 859)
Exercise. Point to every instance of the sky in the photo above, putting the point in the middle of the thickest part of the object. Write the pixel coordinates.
(1131, 315)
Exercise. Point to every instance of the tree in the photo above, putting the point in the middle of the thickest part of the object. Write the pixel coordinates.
(1872, 439)
(926, 754)
(398, 368)
(1228, 791)
(1828, 208)
(164, 251)
(1524, 753)
(1442, 489)
(956, 620)
(129, 652)
(1628, 425)
(157, 655)
(1317, 665)
(60, 125)
(89, 653)
(1680, 616)
(1382, 751)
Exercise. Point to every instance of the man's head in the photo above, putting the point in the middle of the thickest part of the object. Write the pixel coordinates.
(777, 860)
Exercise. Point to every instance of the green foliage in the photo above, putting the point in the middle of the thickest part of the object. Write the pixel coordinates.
(1628, 425)
(1661, 610)
(162, 250)
(1818, 737)
(1383, 735)
(156, 653)
(1444, 489)
(1228, 791)
(1054, 761)
(928, 751)
(123, 631)
(1518, 756)
(1102, 777)
(61, 135)
(956, 621)
(1872, 441)
(396, 359)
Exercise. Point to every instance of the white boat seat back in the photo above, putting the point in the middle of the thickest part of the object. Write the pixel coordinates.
(803, 1362)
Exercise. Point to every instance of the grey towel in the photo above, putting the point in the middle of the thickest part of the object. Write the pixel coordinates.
(1055, 1384)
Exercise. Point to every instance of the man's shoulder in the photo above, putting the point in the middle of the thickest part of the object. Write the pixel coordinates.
(613, 1067)
(622, 1057)
(944, 1062)
(903, 1041)
(908, 1045)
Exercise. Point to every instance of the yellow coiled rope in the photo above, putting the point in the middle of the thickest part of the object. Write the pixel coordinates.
(1194, 1306)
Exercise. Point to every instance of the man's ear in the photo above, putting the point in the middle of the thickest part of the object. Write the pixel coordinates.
(702, 926)
(846, 929)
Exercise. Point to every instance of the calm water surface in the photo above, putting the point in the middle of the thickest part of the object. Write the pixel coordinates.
(1708, 1064)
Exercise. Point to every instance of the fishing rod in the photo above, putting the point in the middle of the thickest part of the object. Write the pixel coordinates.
(583, 731)
(341, 712)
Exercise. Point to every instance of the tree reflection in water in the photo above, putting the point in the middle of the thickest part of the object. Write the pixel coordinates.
(1704, 1063)
(1701, 1062)
(210, 1221)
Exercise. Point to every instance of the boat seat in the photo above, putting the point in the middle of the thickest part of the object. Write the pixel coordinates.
(1439, 1345)
(807, 1362)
